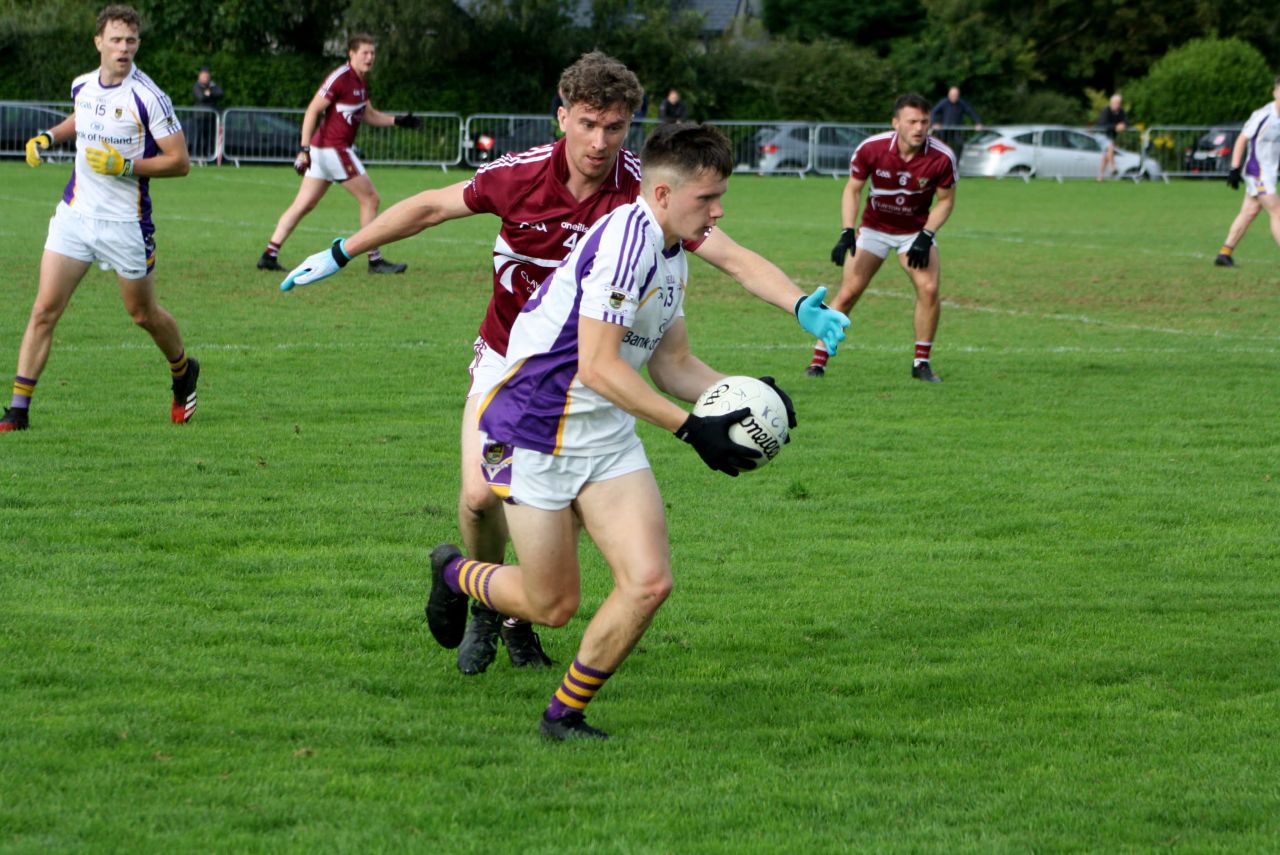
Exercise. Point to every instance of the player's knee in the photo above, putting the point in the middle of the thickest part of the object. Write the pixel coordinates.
(44, 315)
(477, 501)
(648, 594)
(373, 200)
(559, 611)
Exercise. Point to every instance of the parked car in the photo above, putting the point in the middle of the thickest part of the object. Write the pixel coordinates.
(1048, 151)
(501, 136)
(248, 135)
(21, 122)
(1212, 152)
(785, 148)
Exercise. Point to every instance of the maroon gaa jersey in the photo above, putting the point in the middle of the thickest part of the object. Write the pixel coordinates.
(348, 95)
(901, 191)
(541, 222)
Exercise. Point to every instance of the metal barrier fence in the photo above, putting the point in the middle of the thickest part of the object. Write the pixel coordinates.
(261, 135)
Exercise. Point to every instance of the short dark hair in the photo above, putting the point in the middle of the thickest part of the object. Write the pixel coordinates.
(911, 99)
(599, 81)
(688, 149)
(358, 39)
(126, 15)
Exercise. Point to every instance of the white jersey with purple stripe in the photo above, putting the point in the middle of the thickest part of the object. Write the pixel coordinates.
(130, 115)
(1263, 132)
(618, 273)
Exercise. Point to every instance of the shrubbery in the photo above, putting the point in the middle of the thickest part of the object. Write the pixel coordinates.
(1203, 82)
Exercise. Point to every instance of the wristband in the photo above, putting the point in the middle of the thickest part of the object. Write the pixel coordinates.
(339, 252)
(795, 310)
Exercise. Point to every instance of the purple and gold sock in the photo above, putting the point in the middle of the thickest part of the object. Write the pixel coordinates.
(472, 578)
(178, 367)
(579, 686)
(23, 389)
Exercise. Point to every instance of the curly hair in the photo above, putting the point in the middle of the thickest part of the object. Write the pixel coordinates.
(599, 81)
(126, 15)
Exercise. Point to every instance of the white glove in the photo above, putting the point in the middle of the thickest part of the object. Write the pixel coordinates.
(322, 265)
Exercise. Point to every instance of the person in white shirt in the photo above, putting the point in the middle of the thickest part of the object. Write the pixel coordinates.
(126, 133)
(1255, 162)
(560, 424)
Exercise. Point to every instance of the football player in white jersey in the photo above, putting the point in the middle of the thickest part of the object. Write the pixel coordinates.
(1255, 161)
(564, 417)
(126, 133)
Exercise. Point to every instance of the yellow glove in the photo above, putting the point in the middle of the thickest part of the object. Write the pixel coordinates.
(37, 144)
(108, 161)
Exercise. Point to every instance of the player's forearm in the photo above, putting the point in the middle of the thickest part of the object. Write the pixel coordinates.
(64, 131)
(685, 377)
(377, 118)
(173, 161)
(173, 165)
(616, 380)
(405, 218)
(849, 205)
(1237, 151)
(759, 276)
(940, 213)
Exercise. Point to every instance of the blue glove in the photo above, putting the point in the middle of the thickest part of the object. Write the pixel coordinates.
(820, 320)
(322, 265)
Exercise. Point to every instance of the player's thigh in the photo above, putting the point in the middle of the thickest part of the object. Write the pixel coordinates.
(626, 520)
(926, 280)
(546, 544)
(310, 192)
(1270, 203)
(59, 277)
(139, 295)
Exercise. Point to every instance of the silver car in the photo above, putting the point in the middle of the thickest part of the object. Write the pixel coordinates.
(795, 148)
(1047, 151)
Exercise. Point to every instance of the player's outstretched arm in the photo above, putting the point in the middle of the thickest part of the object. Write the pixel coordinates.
(602, 369)
(765, 280)
(403, 219)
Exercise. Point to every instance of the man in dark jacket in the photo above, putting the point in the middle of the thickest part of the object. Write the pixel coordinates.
(947, 118)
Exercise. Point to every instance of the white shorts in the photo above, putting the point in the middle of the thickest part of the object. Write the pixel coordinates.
(1260, 185)
(880, 244)
(128, 248)
(334, 164)
(486, 369)
(551, 482)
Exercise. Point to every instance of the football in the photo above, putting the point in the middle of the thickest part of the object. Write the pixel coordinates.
(764, 430)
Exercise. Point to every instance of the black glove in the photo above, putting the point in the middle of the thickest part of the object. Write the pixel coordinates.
(709, 436)
(848, 238)
(918, 255)
(786, 402)
(1233, 178)
(408, 120)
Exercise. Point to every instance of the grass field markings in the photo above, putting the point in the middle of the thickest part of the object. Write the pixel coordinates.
(1059, 316)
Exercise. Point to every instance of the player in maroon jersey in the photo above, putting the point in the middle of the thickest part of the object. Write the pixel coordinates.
(546, 197)
(906, 169)
(325, 156)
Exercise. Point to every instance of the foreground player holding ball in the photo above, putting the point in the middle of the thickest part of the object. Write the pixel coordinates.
(561, 424)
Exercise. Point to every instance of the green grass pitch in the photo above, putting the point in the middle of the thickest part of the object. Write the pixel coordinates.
(1036, 608)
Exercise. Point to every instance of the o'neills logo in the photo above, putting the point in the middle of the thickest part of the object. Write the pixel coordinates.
(761, 437)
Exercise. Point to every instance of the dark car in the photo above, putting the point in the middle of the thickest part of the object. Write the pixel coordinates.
(21, 122)
(499, 136)
(248, 135)
(1211, 155)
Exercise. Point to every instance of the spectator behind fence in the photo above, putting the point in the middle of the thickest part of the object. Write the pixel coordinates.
(1111, 121)
(205, 93)
(948, 117)
(672, 109)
